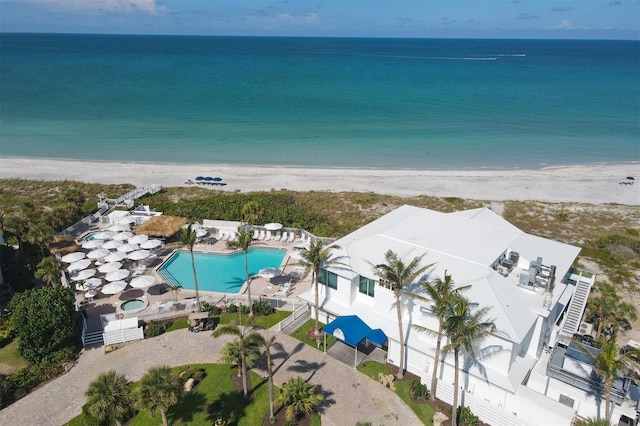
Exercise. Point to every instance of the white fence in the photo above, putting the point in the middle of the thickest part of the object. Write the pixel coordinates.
(123, 336)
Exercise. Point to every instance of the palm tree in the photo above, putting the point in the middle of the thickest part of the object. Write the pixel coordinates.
(188, 239)
(48, 270)
(268, 341)
(314, 258)
(299, 397)
(175, 289)
(440, 293)
(109, 398)
(607, 308)
(40, 235)
(251, 211)
(608, 362)
(464, 329)
(232, 354)
(395, 274)
(243, 241)
(159, 390)
(248, 341)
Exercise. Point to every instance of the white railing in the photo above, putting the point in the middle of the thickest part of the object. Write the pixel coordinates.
(123, 336)
(297, 313)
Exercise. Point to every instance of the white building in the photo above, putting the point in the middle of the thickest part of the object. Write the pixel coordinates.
(509, 271)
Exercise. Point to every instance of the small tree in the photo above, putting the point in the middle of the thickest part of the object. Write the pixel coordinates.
(159, 390)
(299, 397)
(109, 398)
(46, 321)
(607, 309)
(188, 239)
(248, 341)
(49, 271)
(251, 212)
(243, 241)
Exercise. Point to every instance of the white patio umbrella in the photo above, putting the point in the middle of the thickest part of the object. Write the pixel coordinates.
(90, 284)
(79, 265)
(92, 244)
(91, 294)
(139, 254)
(83, 275)
(97, 253)
(295, 254)
(273, 226)
(104, 235)
(117, 275)
(73, 257)
(151, 244)
(114, 287)
(142, 281)
(194, 225)
(127, 220)
(270, 272)
(122, 236)
(109, 267)
(201, 232)
(118, 227)
(302, 245)
(138, 239)
(126, 248)
(115, 256)
(112, 244)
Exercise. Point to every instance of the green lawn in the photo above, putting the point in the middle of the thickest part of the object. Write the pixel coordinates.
(265, 322)
(177, 324)
(301, 334)
(215, 397)
(424, 411)
(10, 358)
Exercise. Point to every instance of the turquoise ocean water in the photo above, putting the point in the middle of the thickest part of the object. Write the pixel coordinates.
(387, 103)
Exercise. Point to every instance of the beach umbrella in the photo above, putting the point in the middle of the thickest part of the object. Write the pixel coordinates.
(73, 257)
(109, 267)
(273, 226)
(201, 232)
(139, 254)
(119, 227)
(117, 275)
(126, 248)
(151, 244)
(114, 287)
(208, 178)
(138, 239)
(200, 178)
(142, 281)
(92, 244)
(89, 284)
(270, 272)
(115, 256)
(104, 235)
(112, 244)
(91, 294)
(98, 253)
(79, 265)
(122, 236)
(217, 179)
(83, 275)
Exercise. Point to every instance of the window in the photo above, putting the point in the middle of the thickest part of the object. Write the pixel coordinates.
(328, 278)
(367, 286)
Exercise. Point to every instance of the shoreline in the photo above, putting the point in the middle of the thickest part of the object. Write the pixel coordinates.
(585, 183)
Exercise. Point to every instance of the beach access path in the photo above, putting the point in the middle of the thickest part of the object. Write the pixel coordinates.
(352, 397)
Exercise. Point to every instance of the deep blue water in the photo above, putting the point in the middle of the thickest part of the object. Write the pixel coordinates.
(389, 103)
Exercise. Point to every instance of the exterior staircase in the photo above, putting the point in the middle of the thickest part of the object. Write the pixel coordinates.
(576, 307)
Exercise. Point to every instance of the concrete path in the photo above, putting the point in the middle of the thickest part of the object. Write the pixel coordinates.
(351, 396)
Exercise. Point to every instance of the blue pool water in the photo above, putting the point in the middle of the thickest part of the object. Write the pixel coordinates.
(131, 305)
(222, 273)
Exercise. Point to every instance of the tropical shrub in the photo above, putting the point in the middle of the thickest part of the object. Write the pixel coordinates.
(7, 332)
(156, 328)
(262, 308)
(298, 397)
(418, 390)
(232, 309)
(466, 417)
(244, 309)
(211, 309)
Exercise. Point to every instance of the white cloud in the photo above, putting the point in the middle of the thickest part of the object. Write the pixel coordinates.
(565, 24)
(111, 6)
(309, 18)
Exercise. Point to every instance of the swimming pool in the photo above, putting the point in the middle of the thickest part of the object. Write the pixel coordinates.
(222, 273)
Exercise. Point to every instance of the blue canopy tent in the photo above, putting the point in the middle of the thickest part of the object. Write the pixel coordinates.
(352, 330)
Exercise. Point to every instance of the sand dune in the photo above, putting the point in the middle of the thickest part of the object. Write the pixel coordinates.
(591, 183)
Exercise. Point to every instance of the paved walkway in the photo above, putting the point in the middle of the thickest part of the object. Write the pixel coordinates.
(351, 396)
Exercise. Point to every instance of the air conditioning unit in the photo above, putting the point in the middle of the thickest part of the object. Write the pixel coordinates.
(585, 328)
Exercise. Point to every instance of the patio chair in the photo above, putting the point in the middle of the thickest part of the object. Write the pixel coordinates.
(292, 236)
(256, 234)
(284, 236)
(262, 234)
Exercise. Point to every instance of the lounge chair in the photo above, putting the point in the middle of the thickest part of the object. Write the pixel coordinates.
(284, 236)
(292, 236)
(256, 234)
(262, 235)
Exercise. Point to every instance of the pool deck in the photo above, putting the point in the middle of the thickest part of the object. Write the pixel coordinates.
(287, 286)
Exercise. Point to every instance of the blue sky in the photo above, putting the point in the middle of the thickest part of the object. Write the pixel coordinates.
(595, 19)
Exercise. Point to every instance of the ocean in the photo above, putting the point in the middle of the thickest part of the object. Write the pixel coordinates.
(320, 102)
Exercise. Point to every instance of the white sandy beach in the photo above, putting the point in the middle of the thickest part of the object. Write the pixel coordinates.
(593, 183)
